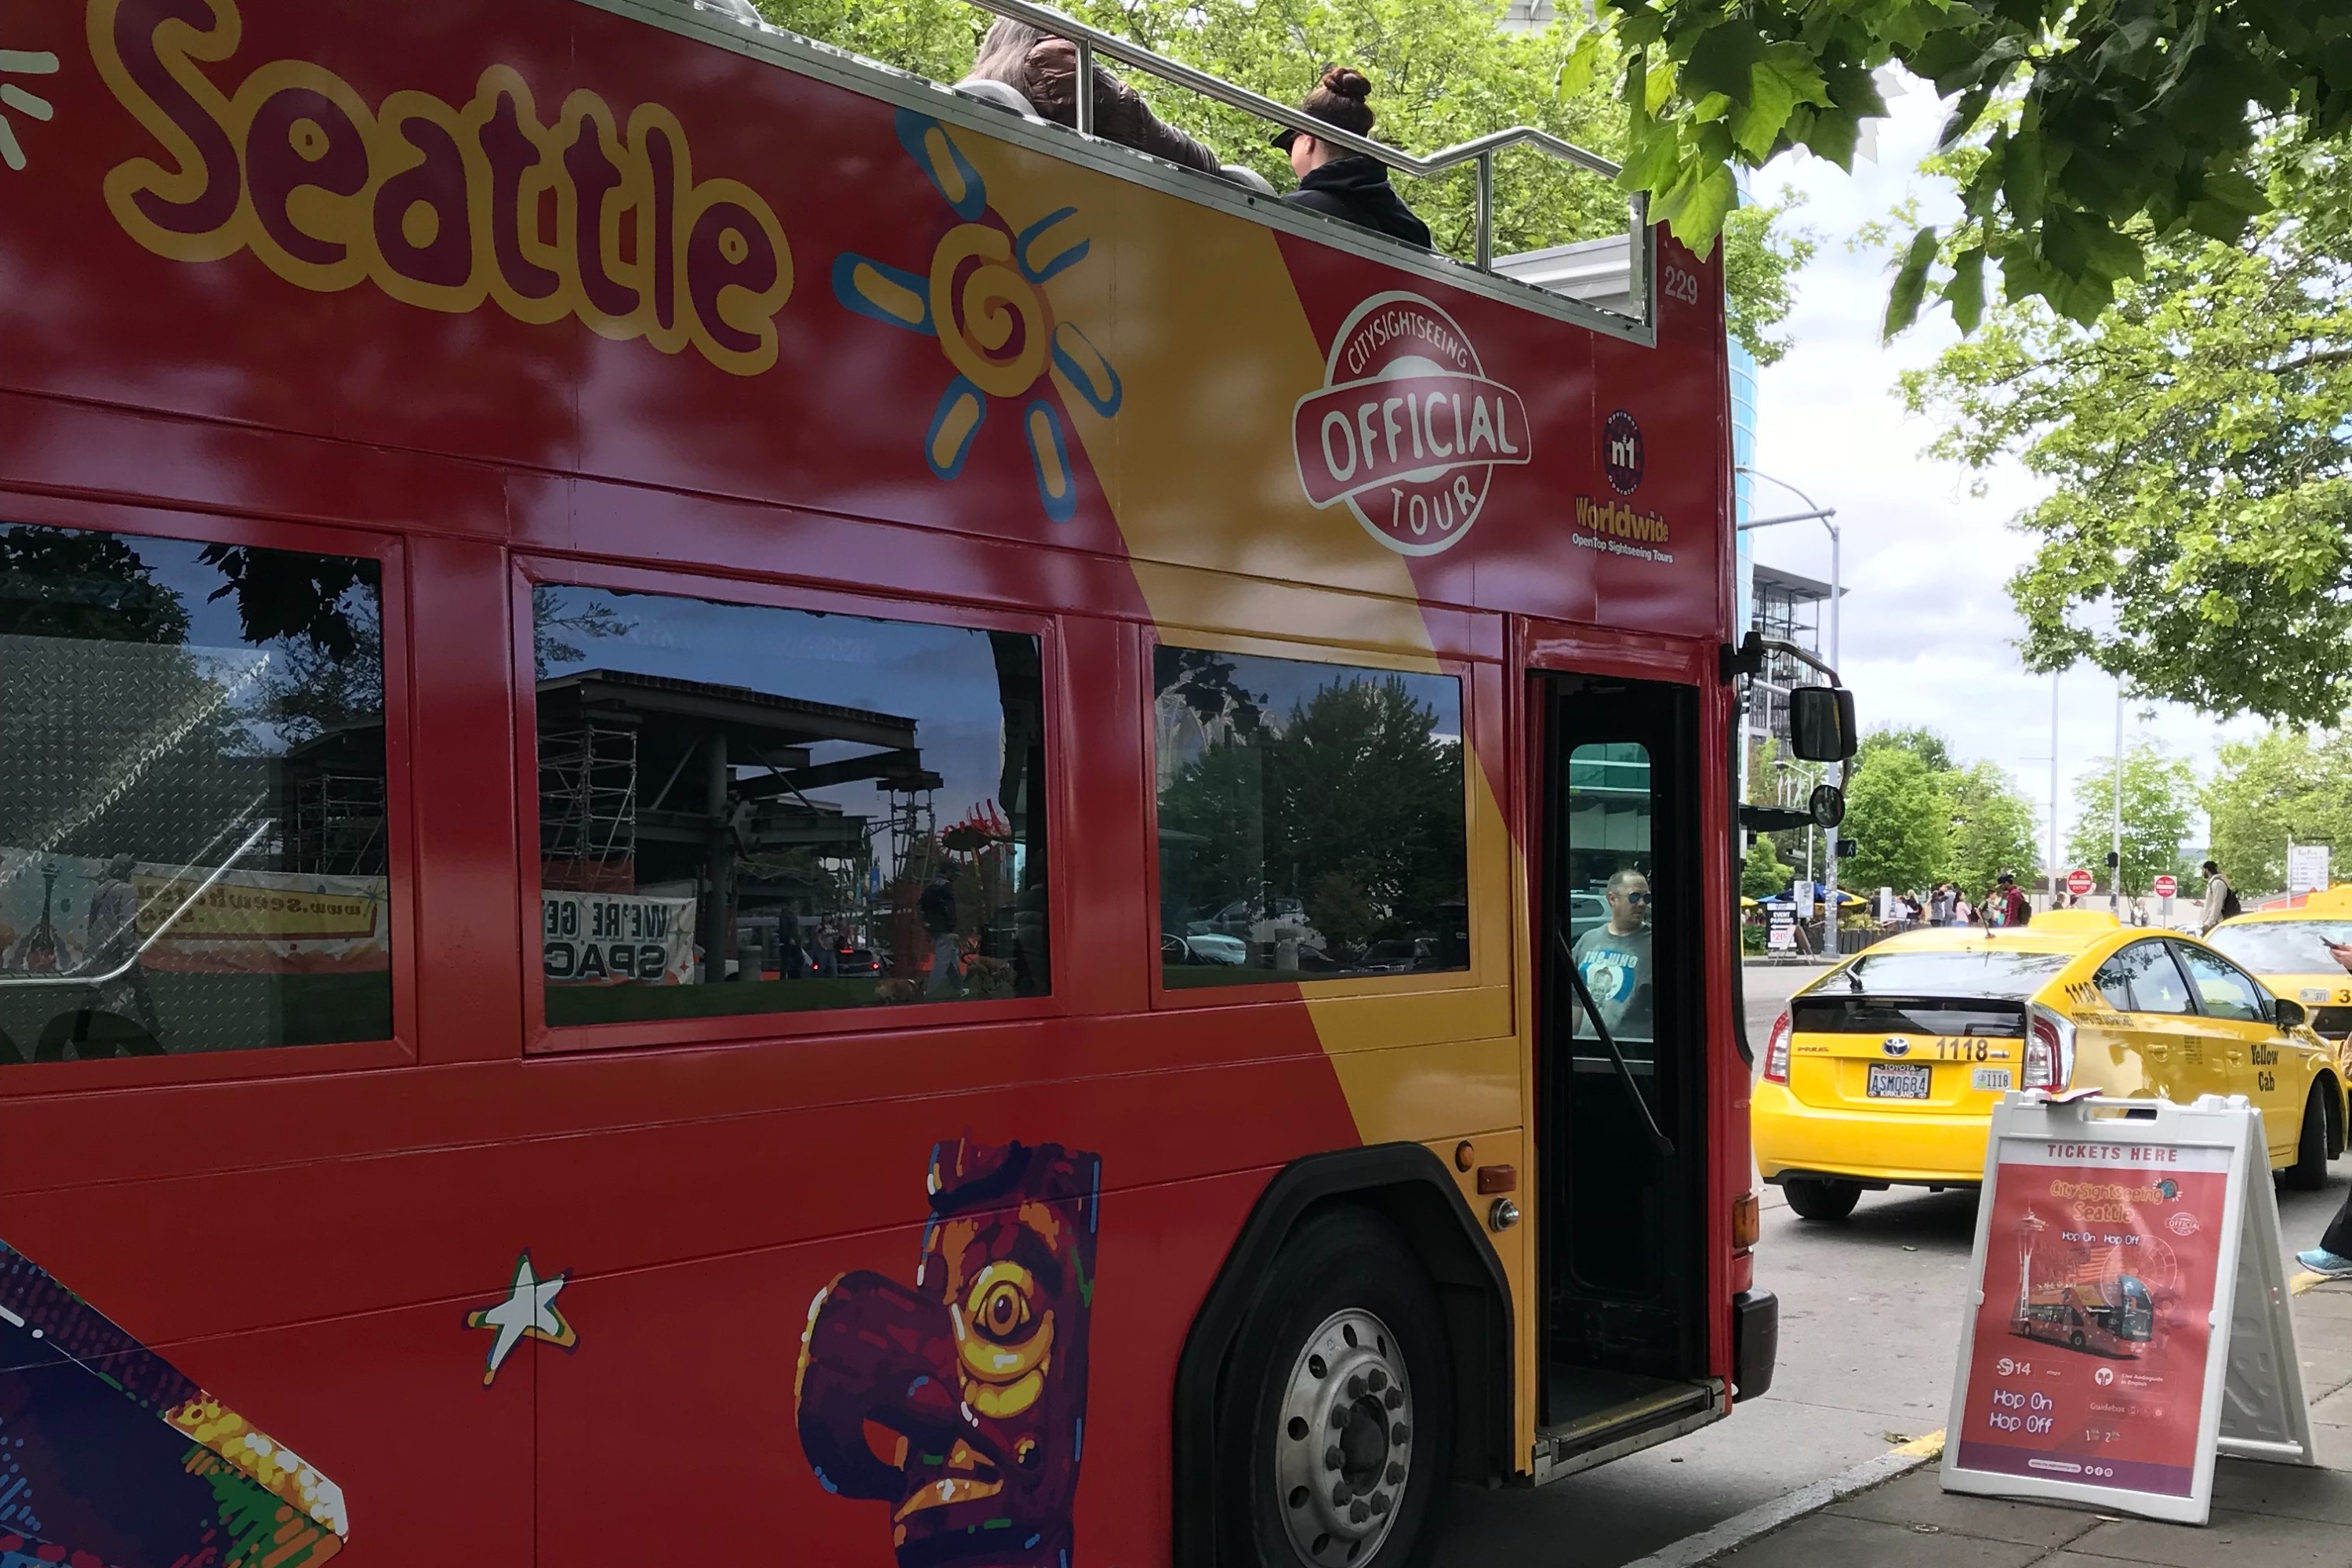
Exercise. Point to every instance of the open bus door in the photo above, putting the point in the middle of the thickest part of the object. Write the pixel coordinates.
(1621, 1079)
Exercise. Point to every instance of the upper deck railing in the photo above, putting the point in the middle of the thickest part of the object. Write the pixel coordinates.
(1094, 44)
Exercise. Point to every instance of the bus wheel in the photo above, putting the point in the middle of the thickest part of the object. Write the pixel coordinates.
(1336, 1427)
(1821, 1197)
(2309, 1172)
(2075, 1339)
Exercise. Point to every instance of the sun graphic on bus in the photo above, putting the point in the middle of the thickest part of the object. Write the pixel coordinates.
(22, 62)
(984, 300)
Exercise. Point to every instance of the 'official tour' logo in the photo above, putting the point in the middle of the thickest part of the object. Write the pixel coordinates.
(1407, 430)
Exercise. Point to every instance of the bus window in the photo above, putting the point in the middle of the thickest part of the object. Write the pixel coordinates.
(191, 798)
(745, 809)
(1311, 820)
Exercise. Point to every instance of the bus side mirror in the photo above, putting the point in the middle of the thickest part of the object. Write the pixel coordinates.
(1827, 805)
(1820, 723)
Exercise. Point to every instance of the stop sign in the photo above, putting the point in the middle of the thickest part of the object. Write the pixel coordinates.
(2166, 887)
(2079, 881)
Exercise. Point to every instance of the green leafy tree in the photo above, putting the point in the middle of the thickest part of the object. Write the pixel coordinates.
(1764, 873)
(2160, 797)
(2197, 447)
(2285, 786)
(2103, 126)
(109, 593)
(1353, 806)
(1443, 72)
(1897, 813)
(1993, 828)
(926, 37)
(1933, 751)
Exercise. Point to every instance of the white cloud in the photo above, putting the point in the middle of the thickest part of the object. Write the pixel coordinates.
(1928, 632)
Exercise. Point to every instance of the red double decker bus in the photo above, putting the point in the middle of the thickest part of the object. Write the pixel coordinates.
(746, 807)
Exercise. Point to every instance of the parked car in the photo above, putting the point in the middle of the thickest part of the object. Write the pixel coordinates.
(1585, 911)
(1884, 1071)
(2287, 949)
(1397, 955)
(1203, 947)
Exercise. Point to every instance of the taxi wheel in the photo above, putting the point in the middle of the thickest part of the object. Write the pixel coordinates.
(2309, 1172)
(1822, 1197)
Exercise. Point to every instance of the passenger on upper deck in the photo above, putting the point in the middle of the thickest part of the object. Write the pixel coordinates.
(1339, 184)
(1044, 70)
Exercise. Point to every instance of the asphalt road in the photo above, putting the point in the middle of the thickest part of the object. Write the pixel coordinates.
(1870, 1327)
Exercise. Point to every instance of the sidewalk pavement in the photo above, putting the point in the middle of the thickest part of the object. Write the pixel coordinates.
(2264, 1515)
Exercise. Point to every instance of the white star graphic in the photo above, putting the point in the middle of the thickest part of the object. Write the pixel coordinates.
(22, 62)
(527, 1312)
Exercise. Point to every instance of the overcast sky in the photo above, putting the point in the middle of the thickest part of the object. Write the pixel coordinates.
(1929, 634)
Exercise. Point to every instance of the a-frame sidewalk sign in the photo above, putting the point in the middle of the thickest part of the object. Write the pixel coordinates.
(2128, 1316)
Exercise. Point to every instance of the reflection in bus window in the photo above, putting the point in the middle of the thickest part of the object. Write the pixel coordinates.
(1610, 899)
(755, 810)
(1310, 820)
(191, 798)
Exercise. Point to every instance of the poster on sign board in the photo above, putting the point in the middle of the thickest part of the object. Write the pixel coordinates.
(2109, 1248)
(617, 939)
(195, 919)
(2307, 867)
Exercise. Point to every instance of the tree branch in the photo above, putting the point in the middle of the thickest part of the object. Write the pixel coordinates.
(2318, 356)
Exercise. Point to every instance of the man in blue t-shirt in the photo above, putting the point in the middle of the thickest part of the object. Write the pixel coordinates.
(1613, 960)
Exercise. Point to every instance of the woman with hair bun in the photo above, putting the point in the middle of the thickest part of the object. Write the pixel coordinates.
(1336, 183)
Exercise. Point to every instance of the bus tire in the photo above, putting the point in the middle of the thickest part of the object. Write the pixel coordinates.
(1821, 1197)
(1335, 1427)
(2076, 1339)
(2309, 1172)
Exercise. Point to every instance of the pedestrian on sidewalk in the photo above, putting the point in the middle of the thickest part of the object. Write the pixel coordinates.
(2333, 1257)
(2221, 899)
(2005, 906)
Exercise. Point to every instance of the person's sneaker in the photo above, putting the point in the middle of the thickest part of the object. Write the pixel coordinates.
(2321, 1261)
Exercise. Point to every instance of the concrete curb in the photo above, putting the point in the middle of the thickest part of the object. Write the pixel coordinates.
(1767, 1517)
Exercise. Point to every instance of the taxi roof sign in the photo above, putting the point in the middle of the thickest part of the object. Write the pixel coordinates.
(2075, 920)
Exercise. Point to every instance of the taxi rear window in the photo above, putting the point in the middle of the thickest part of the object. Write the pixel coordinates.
(1968, 992)
(1863, 1014)
(1983, 971)
(2285, 947)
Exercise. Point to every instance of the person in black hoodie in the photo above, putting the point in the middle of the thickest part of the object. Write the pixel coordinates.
(1339, 184)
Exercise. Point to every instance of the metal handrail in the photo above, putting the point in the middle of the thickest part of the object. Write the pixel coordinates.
(1091, 39)
(1480, 151)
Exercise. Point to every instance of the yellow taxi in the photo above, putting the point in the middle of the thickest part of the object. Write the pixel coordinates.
(2288, 951)
(1884, 1071)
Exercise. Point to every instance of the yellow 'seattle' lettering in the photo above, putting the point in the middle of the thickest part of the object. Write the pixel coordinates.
(444, 207)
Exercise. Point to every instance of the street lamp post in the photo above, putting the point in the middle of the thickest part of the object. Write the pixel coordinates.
(2116, 849)
(1826, 516)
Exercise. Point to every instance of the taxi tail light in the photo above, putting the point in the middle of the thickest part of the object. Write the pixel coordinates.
(2049, 1049)
(1776, 1051)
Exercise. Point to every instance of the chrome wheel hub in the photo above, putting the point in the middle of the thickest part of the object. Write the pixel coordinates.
(1345, 1447)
